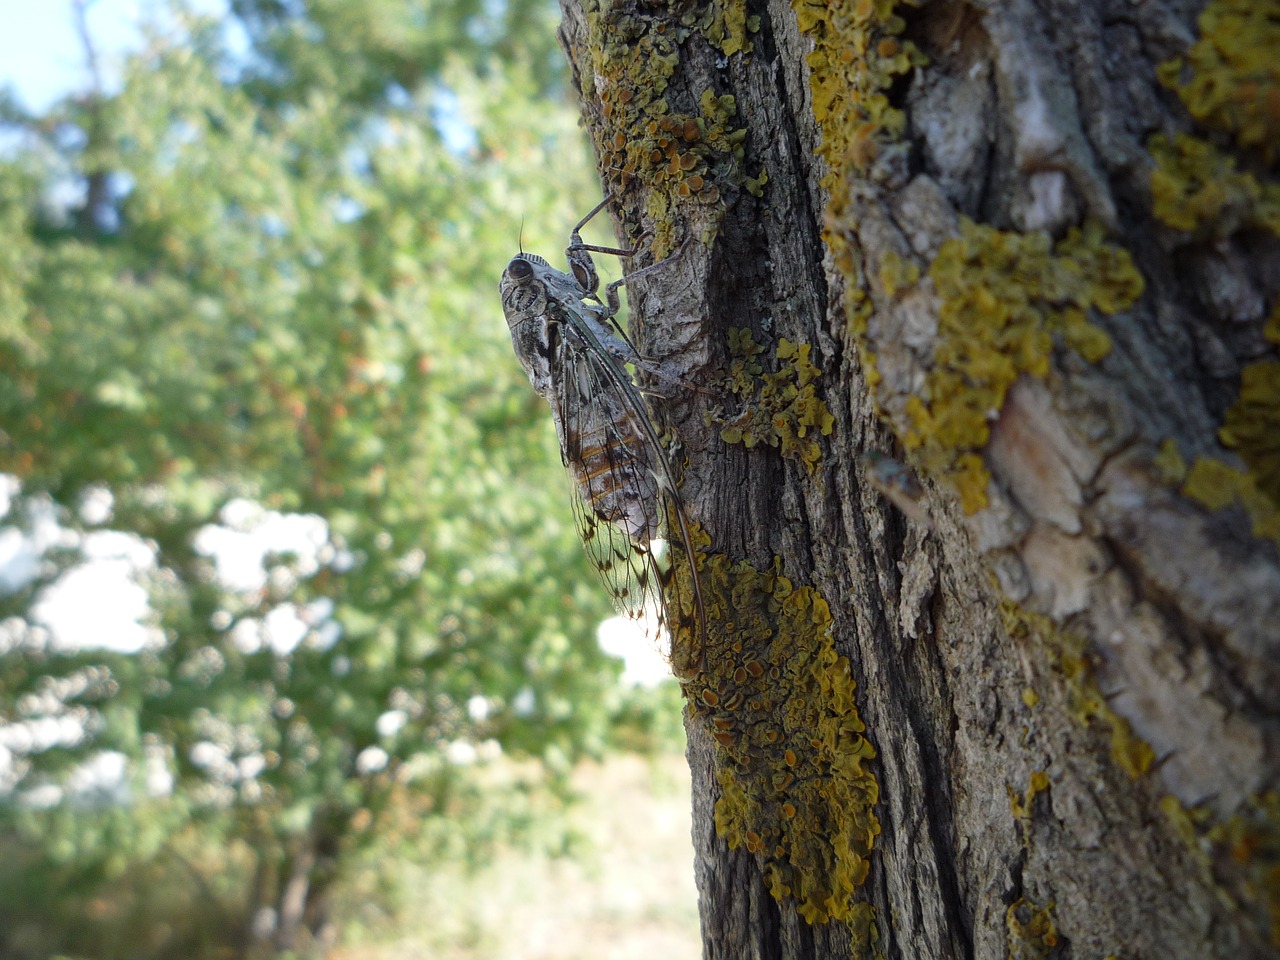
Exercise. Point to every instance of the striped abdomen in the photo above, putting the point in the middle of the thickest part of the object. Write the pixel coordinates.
(609, 459)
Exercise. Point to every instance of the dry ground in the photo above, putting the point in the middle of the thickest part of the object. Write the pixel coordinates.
(629, 894)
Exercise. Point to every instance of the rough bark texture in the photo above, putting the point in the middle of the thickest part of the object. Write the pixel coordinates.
(1065, 649)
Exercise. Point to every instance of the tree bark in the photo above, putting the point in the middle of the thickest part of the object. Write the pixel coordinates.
(1023, 282)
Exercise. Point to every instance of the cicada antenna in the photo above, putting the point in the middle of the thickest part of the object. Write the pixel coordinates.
(520, 238)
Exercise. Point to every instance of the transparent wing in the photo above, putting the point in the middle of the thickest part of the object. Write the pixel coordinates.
(609, 447)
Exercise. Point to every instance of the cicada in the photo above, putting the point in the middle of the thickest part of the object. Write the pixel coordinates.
(627, 505)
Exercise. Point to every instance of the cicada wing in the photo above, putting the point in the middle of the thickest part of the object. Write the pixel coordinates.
(629, 571)
(609, 448)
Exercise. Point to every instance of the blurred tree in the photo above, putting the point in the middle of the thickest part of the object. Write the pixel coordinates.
(273, 289)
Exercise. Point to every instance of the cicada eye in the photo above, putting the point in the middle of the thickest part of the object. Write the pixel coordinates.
(519, 269)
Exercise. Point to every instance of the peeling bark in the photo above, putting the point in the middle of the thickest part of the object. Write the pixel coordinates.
(1074, 689)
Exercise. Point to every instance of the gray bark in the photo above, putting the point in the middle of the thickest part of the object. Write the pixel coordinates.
(1030, 116)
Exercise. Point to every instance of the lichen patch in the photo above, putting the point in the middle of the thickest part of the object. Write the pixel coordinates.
(793, 759)
(781, 409)
(1003, 297)
(689, 157)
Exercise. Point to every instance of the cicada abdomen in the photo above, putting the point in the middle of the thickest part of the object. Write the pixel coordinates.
(606, 454)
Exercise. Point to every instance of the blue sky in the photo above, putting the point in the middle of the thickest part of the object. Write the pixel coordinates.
(40, 52)
(42, 58)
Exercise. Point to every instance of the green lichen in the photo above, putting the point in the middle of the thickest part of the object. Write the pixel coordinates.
(1004, 296)
(755, 185)
(780, 409)
(681, 157)
(1067, 654)
(796, 789)
(1032, 934)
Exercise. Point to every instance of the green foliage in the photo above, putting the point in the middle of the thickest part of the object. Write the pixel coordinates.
(281, 289)
(356, 49)
(184, 900)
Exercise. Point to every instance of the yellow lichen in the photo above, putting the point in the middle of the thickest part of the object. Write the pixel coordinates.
(1196, 187)
(1230, 83)
(1129, 751)
(1169, 463)
(1240, 854)
(1067, 653)
(682, 158)
(1021, 805)
(1031, 931)
(1232, 74)
(897, 274)
(1003, 297)
(1186, 824)
(857, 56)
(1252, 425)
(725, 25)
(855, 60)
(796, 789)
(1248, 857)
(780, 409)
(1218, 485)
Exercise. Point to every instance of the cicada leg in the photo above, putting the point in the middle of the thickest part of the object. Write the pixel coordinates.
(613, 301)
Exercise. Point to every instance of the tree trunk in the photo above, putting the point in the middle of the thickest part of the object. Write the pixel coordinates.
(1001, 248)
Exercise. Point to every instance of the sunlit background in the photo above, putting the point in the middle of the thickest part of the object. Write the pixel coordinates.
(298, 651)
